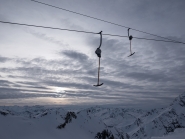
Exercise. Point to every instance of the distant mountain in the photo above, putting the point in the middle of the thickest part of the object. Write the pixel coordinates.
(94, 122)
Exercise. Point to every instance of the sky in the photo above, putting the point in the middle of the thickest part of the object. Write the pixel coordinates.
(53, 67)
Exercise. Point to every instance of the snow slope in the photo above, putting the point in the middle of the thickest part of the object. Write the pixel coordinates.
(48, 123)
(177, 134)
(39, 122)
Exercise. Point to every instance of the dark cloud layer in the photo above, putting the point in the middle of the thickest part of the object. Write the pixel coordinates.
(3, 59)
(113, 71)
(75, 55)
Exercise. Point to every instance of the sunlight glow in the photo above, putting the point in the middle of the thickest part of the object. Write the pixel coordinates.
(60, 89)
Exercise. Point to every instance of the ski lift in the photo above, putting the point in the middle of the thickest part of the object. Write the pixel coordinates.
(98, 52)
(130, 38)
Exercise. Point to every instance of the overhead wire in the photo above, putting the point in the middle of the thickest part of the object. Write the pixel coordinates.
(104, 21)
(80, 31)
(38, 26)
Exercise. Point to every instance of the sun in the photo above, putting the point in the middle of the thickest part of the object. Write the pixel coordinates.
(59, 89)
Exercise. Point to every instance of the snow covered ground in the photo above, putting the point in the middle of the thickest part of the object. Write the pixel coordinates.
(177, 134)
(36, 122)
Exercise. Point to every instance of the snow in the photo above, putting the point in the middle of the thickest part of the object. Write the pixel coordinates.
(177, 134)
(21, 126)
(41, 122)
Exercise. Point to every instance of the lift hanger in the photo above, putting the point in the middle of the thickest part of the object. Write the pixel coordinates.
(98, 52)
(130, 38)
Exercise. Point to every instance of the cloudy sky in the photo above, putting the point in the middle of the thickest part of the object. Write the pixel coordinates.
(52, 67)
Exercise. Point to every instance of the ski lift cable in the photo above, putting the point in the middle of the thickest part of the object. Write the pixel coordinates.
(80, 31)
(142, 38)
(103, 20)
(38, 26)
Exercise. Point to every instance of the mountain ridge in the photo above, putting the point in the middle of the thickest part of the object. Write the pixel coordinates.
(93, 122)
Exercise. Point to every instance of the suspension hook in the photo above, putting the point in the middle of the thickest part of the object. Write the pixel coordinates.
(98, 52)
(130, 38)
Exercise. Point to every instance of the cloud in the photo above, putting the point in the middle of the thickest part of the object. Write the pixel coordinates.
(154, 73)
(71, 24)
(118, 73)
(75, 55)
(72, 85)
(155, 64)
(5, 83)
(46, 37)
(148, 76)
(12, 93)
(4, 59)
